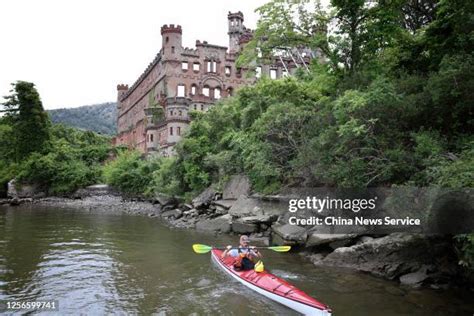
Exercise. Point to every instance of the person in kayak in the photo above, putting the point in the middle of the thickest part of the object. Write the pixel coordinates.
(245, 254)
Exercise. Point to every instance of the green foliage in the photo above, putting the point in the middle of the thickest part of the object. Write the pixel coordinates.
(129, 172)
(465, 248)
(165, 177)
(29, 122)
(74, 161)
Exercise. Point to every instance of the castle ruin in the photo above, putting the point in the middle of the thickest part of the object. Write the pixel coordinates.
(153, 113)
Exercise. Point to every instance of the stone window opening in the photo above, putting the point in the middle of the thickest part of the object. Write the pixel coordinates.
(230, 91)
(227, 70)
(178, 130)
(196, 67)
(172, 49)
(184, 65)
(217, 93)
(205, 91)
(273, 74)
(171, 131)
(211, 66)
(167, 39)
(180, 113)
(195, 106)
(202, 107)
(193, 89)
(258, 72)
(181, 90)
(151, 138)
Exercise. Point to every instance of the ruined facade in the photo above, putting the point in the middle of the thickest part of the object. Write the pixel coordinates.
(153, 113)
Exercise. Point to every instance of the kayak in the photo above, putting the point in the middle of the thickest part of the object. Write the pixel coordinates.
(272, 287)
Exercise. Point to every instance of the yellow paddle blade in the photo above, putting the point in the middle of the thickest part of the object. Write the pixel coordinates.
(280, 248)
(198, 248)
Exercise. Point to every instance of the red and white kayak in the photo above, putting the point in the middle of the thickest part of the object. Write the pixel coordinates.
(272, 287)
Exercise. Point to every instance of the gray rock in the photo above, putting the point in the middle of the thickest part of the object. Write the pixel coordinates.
(243, 228)
(414, 279)
(165, 200)
(250, 206)
(175, 214)
(225, 204)
(316, 239)
(218, 224)
(237, 185)
(205, 198)
(390, 256)
(291, 234)
(364, 239)
(258, 219)
(18, 190)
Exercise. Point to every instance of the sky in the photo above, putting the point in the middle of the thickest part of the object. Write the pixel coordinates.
(76, 52)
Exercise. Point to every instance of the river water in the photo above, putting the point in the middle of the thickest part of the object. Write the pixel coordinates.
(94, 263)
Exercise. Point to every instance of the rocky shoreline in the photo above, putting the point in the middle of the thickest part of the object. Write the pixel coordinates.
(412, 259)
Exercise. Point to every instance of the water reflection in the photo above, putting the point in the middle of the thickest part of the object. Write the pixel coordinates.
(100, 263)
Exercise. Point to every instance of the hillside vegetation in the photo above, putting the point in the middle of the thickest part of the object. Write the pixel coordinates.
(99, 118)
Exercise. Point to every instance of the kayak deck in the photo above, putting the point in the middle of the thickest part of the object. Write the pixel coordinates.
(272, 287)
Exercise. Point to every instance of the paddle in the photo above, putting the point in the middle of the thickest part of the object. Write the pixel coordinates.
(200, 249)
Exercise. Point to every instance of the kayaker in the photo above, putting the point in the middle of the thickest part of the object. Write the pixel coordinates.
(246, 255)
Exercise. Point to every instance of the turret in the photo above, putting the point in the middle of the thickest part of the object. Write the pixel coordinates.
(236, 29)
(171, 39)
(121, 90)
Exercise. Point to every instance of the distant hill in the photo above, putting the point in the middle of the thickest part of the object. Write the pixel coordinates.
(100, 118)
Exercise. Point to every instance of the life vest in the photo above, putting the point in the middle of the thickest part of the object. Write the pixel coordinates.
(244, 261)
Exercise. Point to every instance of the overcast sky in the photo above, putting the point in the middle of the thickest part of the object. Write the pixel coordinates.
(76, 52)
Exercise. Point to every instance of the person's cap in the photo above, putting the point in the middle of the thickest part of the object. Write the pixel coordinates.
(244, 238)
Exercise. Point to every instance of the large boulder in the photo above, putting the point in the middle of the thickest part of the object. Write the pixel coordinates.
(289, 234)
(218, 224)
(244, 228)
(317, 239)
(19, 190)
(224, 204)
(415, 279)
(165, 200)
(250, 206)
(237, 185)
(260, 219)
(390, 256)
(205, 198)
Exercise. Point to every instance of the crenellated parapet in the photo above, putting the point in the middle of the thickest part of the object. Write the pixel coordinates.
(235, 15)
(122, 87)
(171, 29)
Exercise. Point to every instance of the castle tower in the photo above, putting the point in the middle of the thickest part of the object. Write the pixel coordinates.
(171, 39)
(121, 90)
(236, 29)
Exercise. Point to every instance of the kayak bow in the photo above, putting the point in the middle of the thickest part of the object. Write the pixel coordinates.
(272, 287)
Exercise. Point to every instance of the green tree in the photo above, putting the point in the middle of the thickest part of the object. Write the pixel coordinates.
(30, 122)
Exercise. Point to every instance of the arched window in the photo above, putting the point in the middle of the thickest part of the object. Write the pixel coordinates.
(171, 131)
(193, 89)
(205, 91)
(230, 91)
(196, 67)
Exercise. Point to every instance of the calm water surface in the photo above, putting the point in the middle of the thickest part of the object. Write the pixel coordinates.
(103, 263)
